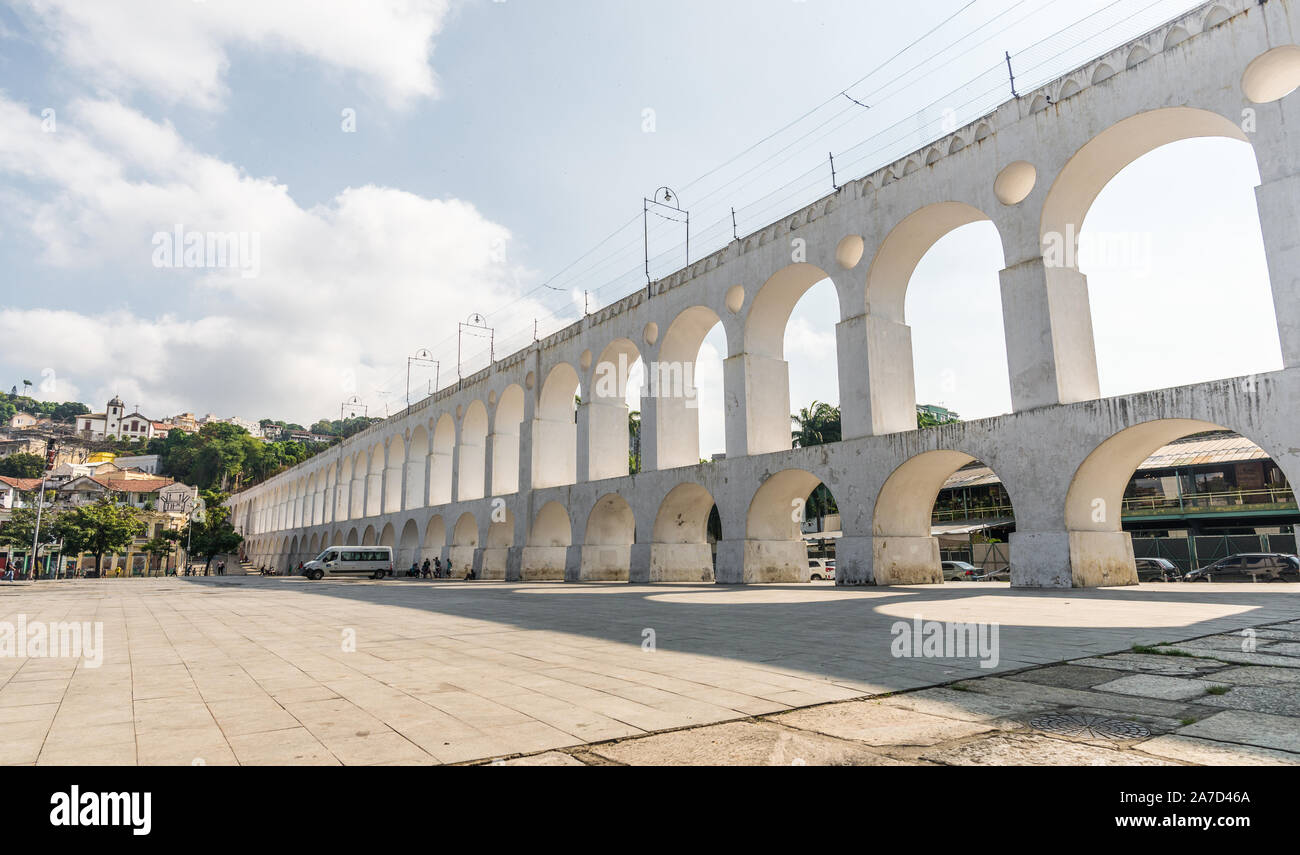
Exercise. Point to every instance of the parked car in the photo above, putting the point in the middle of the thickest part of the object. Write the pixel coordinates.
(959, 571)
(1157, 570)
(1003, 575)
(819, 569)
(1249, 567)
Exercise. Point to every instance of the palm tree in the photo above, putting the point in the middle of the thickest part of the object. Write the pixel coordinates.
(818, 424)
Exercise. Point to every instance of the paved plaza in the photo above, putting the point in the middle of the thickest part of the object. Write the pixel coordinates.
(243, 670)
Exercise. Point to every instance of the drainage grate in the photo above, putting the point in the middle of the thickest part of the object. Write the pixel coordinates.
(1089, 726)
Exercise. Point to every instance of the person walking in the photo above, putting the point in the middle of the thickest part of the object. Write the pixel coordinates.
(437, 568)
(424, 570)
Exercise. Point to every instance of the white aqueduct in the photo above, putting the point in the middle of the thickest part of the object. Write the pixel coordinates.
(426, 482)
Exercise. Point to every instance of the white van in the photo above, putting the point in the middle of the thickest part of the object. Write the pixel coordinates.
(373, 561)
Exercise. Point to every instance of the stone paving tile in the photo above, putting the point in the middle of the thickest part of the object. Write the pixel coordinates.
(1156, 686)
(1147, 663)
(1248, 728)
(1205, 752)
(1275, 700)
(550, 758)
(744, 743)
(295, 747)
(1259, 675)
(1015, 749)
(876, 723)
(1073, 676)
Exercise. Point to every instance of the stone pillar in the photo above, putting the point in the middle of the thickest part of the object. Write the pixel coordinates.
(1051, 357)
(757, 404)
(877, 385)
(676, 562)
(602, 439)
(905, 561)
(1279, 221)
(503, 452)
(853, 556)
(759, 562)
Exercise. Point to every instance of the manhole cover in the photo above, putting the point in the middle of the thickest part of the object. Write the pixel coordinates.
(1089, 726)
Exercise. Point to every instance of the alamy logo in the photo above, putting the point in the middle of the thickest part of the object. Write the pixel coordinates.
(58, 640)
(240, 251)
(932, 639)
(75, 808)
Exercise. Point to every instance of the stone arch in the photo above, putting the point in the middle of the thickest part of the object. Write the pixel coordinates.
(609, 536)
(505, 440)
(774, 549)
(370, 537)
(892, 393)
(464, 543)
(337, 539)
(394, 468)
(496, 551)
(680, 550)
(417, 464)
(903, 552)
(388, 537)
(375, 481)
(671, 386)
(343, 490)
(556, 430)
(1065, 207)
(605, 405)
(1138, 55)
(1070, 87)
(471, 458)
(408, 547)
(1102, 72)
(440, 470)
(766, 372)
(1216, 16)
(353, 538)
(1176, 36)
(549, 539)
(360, 464)
(1101, 552)
(435, 537)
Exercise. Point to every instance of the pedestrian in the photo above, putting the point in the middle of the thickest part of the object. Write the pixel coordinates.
(469, 573)
(424, 570)
(437, 568)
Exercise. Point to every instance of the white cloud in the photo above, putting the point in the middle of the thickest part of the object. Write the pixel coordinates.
(344, 292)
(181, 50)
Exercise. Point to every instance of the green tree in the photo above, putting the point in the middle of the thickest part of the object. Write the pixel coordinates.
(634, 442)
(20, 529)
(817, 424)
(22, 465)
(160, 546)
(68, 411)
(105, 526)
(215, 535)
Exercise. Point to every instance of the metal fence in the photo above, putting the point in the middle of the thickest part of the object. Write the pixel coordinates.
(1191, 552)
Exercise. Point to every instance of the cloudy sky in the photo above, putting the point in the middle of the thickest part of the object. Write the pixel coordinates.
(396, 165)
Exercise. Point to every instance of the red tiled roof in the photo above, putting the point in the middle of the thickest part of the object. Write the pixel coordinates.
(132, 485)
(22, 484)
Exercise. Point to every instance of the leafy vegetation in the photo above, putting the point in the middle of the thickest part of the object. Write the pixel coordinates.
(22, 465)
(215, 535)
(99, 528)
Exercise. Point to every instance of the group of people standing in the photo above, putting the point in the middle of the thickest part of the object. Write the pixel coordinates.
(435, 570)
